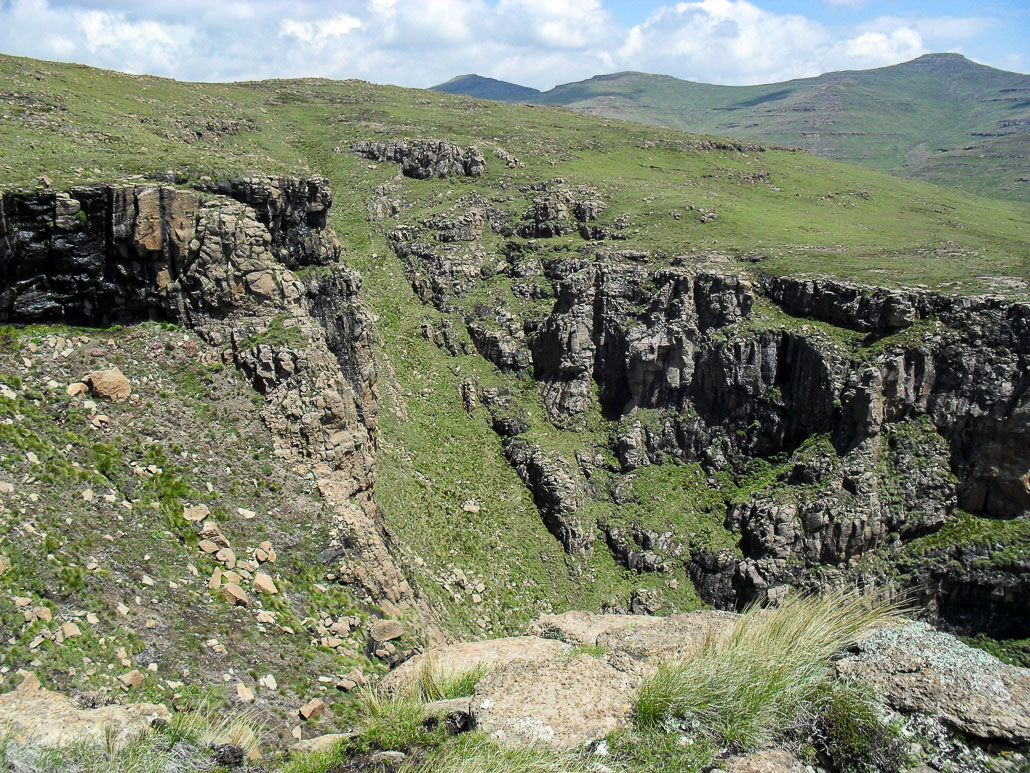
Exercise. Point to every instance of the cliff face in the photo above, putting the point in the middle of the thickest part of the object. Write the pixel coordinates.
(839, 422)
(221, 266)
(878, 412)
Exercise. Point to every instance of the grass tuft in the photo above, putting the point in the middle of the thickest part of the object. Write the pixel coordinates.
(747, 685)
(184, 745)
(434, 684)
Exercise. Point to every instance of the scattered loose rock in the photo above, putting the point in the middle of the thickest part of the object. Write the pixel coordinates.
(108, 384)
(312, 709)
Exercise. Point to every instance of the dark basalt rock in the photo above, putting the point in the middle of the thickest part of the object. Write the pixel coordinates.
(558, 495)
(423, 159)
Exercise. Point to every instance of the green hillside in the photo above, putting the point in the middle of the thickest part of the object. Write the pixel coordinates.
(649, 204)
(802, 213)
(487, 88)
(939, 118)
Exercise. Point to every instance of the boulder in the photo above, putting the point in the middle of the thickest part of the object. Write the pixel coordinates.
(560, 701)
(311, 709)
(667, 638)
(642, 636)
(466, 656)
(264, 584)
(31, 715)
(917, 669)
(768, 761)
(109, 384)
(386, 630)
(235, 594)
(318, 744)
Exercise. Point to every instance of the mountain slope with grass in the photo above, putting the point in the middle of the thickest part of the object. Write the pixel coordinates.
(406, 368)
(487, 88)
(940, 118)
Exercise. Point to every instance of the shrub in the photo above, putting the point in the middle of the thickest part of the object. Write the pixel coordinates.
(848, 730)
(749, 684)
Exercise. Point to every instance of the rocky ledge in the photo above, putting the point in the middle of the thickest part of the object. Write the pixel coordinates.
(423, 159)
(572, 680)
(221, 266)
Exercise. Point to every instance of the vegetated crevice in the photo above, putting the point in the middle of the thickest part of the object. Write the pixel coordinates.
(840, 421)
(221, 266)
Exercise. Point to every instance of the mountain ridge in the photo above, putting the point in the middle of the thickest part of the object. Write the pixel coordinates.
(940, 117)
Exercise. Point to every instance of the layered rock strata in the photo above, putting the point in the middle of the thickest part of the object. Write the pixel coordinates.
(885, 410)
(221, 266)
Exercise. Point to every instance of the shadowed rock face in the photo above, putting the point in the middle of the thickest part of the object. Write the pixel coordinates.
(423, 159)
(125, 252)
(893, 407)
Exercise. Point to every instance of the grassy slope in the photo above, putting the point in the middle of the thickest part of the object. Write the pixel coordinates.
(91, 520)
(77, 124)
(939, 118)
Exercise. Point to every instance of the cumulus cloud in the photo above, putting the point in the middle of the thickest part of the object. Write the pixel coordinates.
(319, 32)
(727, 41)
(422, 42)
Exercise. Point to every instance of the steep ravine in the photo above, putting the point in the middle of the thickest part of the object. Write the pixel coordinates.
(817, 431)
(841, 424)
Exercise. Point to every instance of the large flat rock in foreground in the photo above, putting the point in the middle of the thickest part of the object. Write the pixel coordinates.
(32, 715)
(642, 636)
(918, 669)
(454, 659)
(563, 701)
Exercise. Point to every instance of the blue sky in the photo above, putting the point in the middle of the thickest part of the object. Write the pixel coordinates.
(534, 42)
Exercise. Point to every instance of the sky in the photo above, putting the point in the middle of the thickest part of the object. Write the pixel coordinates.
(537, 43)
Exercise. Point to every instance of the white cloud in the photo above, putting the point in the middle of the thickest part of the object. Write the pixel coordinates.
(726, 41)
(319, 32)
(422, 42)
(874, 49)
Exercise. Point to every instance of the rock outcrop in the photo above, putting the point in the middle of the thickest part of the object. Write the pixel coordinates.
(423, 158)
(32, 716)
(124, 252)
(562, 701)
(555, 491)
(884, 410)
(572, 679)
(917, 669)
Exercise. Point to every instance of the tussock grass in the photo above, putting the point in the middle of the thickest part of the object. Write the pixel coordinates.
(393, 722)
(434, 684)
(746, 685)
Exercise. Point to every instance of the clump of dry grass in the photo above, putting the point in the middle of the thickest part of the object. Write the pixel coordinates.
(748, 684)
(435, 684)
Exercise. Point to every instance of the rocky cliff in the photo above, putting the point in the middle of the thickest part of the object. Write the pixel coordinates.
(218, 260)
(838, 423)
(841, 421)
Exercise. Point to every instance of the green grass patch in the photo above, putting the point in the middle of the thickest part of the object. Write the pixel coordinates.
(747, 686)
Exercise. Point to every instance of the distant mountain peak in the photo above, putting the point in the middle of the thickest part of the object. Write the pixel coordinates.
(486, 88)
